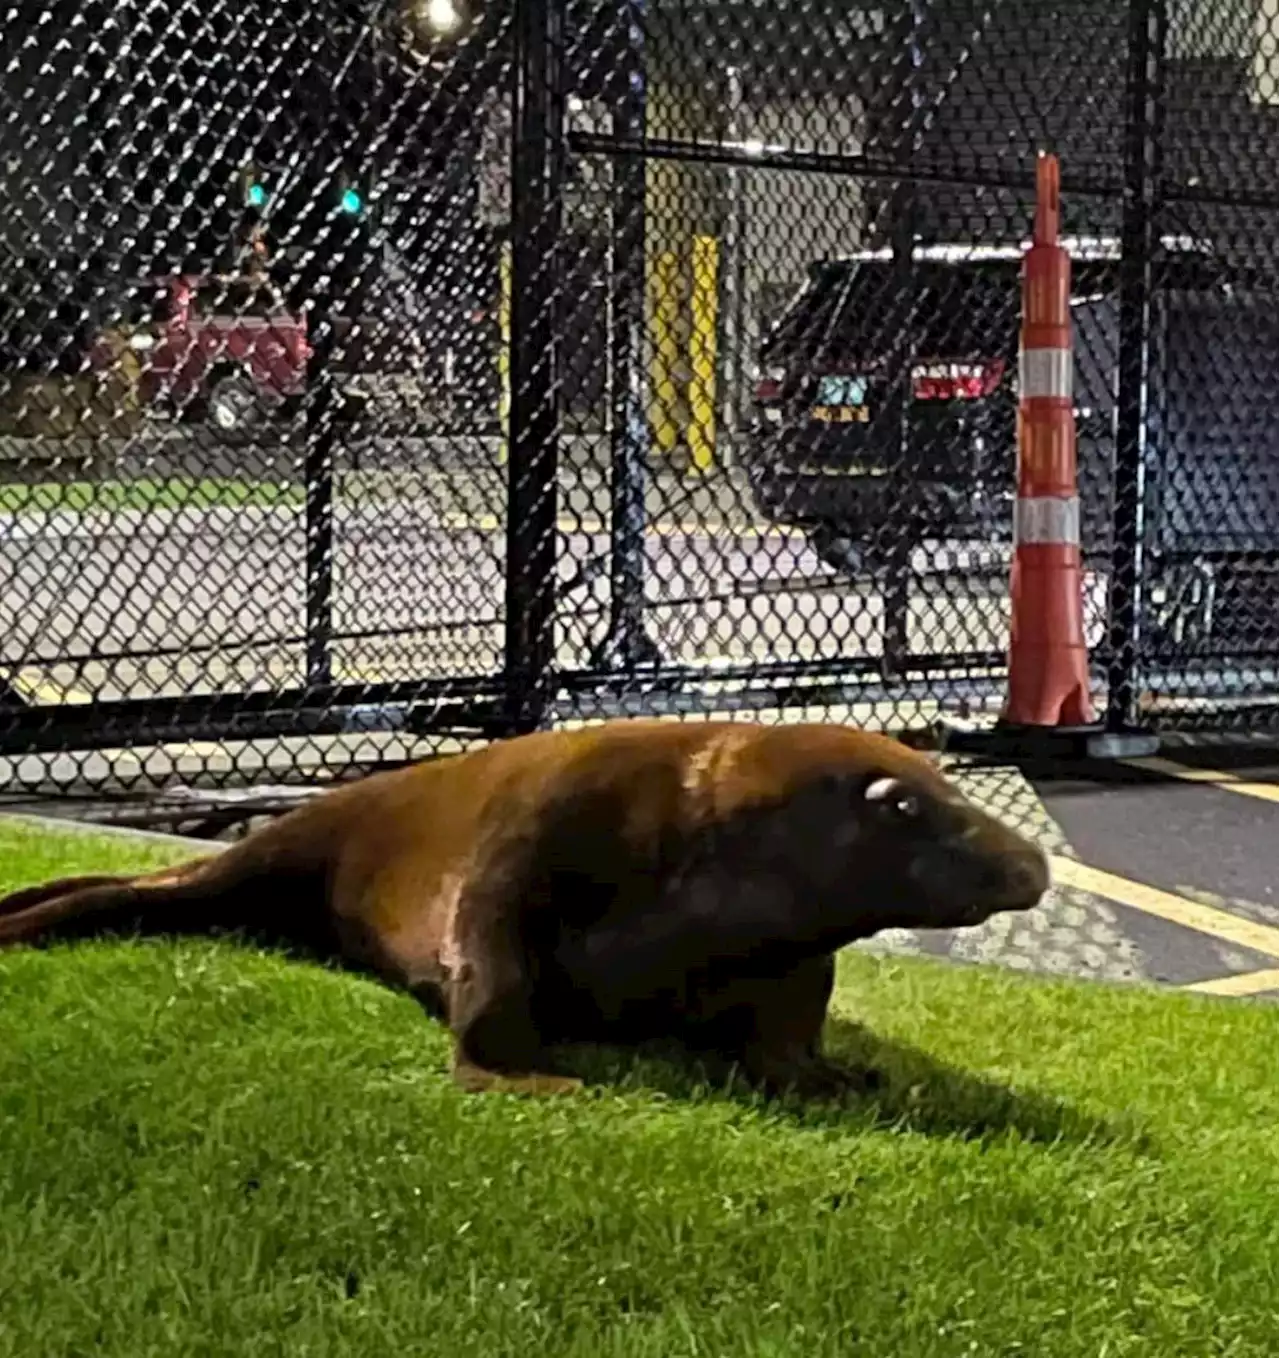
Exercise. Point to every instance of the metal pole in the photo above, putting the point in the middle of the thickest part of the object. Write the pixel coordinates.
(738, 352)
(626, 645)
(537, 175)
(1137, 243)
(896, 578)
(342, 297)
(318, 467)
(704, 297)
(896, 583)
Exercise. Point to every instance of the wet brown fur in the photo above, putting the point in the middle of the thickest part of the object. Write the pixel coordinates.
(623, 882)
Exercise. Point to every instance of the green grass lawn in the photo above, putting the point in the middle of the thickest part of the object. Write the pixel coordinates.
(208, 1150)
(146, 494)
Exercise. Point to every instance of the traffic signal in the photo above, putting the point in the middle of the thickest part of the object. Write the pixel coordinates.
(253, 192)
(351, 191)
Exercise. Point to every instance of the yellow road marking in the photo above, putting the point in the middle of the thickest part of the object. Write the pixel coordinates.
(1165, 905)
(46, 692)
(32, 685)
(1239, 984)
(1267, 792)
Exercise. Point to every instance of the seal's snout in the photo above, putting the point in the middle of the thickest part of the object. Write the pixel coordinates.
(1006, 870)
(1026, 879)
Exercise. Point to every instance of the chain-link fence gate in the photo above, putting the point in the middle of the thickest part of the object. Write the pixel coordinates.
(388, 374)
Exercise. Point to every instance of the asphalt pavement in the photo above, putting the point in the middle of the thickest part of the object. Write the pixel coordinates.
(1124, 908)
(120, 603)
(1199, 824)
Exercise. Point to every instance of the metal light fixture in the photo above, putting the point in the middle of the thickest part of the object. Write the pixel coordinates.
(429, 25)
(440, 16)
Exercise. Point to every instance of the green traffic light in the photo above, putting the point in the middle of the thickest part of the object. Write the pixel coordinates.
(256, 196)
(350, 201)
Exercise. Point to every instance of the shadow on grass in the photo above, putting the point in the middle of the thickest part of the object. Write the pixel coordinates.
(913, 1093)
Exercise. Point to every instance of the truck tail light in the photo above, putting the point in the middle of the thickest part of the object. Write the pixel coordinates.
(956, 381)
(769, 385)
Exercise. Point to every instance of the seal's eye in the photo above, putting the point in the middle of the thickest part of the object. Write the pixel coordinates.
(893, 795)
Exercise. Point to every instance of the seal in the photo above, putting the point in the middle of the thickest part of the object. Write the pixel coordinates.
(633, 881)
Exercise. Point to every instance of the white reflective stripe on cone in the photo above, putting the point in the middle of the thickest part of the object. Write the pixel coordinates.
(1051, 520)
(1044, 372)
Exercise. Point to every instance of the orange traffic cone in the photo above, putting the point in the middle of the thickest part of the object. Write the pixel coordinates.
(1048, 658)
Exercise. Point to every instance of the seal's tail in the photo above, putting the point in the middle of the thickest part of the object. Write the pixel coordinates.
(28, 896)
(270, 886)
(176, 900)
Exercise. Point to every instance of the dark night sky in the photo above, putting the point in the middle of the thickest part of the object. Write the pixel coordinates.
(178, 94)
(130, 167)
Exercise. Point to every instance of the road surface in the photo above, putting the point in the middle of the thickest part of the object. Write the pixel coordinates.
(109, 605)
(130, 604)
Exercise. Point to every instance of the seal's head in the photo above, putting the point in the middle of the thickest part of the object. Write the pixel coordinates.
(876, 834)
(934, 857)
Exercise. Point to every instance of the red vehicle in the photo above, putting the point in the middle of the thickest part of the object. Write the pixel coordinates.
(222, 349)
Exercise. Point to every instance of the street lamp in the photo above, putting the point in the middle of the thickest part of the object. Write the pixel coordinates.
(431, 28)
(439, 16)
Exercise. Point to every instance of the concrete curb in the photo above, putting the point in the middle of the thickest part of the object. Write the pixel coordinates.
(61, 825)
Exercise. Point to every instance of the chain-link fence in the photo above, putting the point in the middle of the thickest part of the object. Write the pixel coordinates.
(381, 375)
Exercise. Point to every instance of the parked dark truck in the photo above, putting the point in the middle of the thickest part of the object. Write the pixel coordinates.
(836, 448)
(226, 350)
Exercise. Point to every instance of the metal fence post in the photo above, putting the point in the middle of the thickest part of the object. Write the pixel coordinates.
(1138, 238)
(902, 231)
(739, 328)
(340, 297)
(897, 557)
(537, 178)
(626, 645)
(318, 468)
